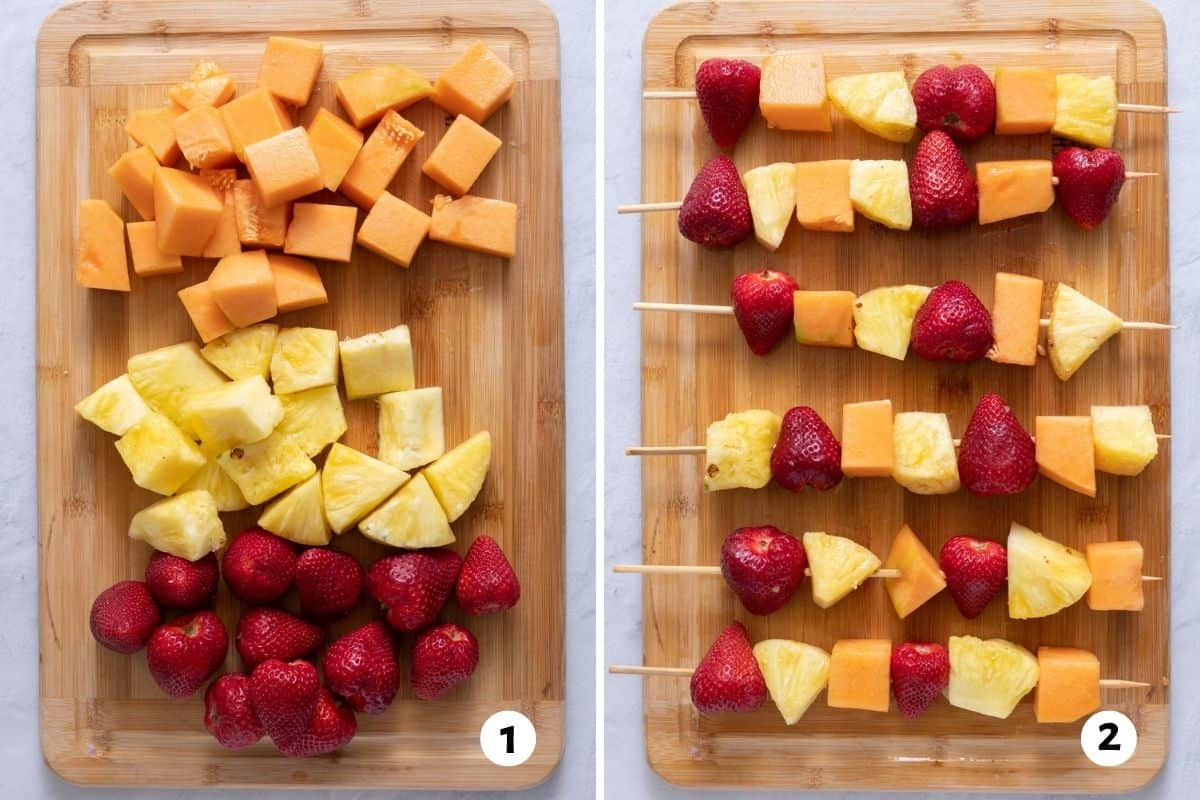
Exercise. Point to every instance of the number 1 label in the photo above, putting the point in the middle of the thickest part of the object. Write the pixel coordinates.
(507, 738)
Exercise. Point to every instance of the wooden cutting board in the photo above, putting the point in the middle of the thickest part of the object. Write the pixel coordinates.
(488, 331)
(696, 369)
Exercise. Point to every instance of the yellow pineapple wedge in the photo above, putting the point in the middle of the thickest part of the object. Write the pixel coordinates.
(245, 352)
(1086, 109)
(989, 677)
(114, 407)
(378, 363)
(738, 450)
(159, 456)
(212, 479)
(883, 319)
(312, 419)
(186, 525)
(411, 518)
(167, 377)
(1078, 326)
(879, 102)
(795, 674)
(457, 477)
(299, 515)
(879, 191)
(411, 431)
(923, 456)
(1125, 439)
(304, 358)
(232, 414)
(838, 565)
(1044, 576)
(772, 193)
(267, 468)
(353, 484)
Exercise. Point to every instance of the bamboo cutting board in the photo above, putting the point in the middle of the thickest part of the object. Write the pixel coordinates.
(487, 331)
(696, 369)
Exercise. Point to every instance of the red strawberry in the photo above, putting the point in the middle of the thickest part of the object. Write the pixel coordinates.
(941, 184)
(330, 727)
(728, 677)
(361, 667)
(329, 583)
(413, 587)
(442, 658)
(763, 566)
(920, 672)
(996, 455)
(1088, 183)
(259, 567)
(178, 583)
(716, 210)
(952, 325)
(975, 570)
(727, 90)
(806, 452)
(124, 617)
(266, 633)
(959, 101)
(284, 696)
(228, 712)
(763, 307)
(487, 583)
(185, 652)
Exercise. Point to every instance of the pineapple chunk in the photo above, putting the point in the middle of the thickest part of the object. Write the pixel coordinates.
(353, 484)
(410, 427)
(879, 191)
(1086, 109)
(1078, 326)
(212, 479)
(1125, 438)
(795, 674)
(412, 518)
(879, 102)
(457, 477)
(738, 450)
(924, 461)
(231, 414)
(883, 319)
(159, 456)
(989, 677)
(838, 565)
(304, 358)
(167, 377)
(245, 352)
(1044, 576)
(267, 468)
(114, 407)
(186, 525)
(772, 193)
(378, 363)
(299, 516)
(312, 419)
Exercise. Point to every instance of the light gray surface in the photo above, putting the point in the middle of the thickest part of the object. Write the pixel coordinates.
(23, 774)
(627, 774)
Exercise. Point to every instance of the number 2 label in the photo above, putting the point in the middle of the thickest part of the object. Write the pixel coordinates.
(1108, 738)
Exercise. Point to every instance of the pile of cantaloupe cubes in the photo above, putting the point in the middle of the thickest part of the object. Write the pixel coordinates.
(228, 178)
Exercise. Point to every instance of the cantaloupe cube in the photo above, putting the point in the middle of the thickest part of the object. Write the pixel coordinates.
(258, 225)
(134, 173)
(336, 144)
(321, 231)
(1116, 569)
(1065, 452)
(367, 95)
(476, 84)
(147, 259)
(203, 139)
(377, 363)
(208, 85)
(187, 210)
(244, 287)
(920, 576)
(1016, 319)
(461, 155)
(101, 262)
(824, 319)
(867, 449)
(207, 317)
(224, 241)
(1025, 99)
(379, 159)
(394, 229)
(284, 167)
(253, 117)
(1009, 189)
(298, 285)
(791, 93)
(154, 128)
(475, 223)
(860, 672)
(1068, 685)
(823, 196)
(290, 67)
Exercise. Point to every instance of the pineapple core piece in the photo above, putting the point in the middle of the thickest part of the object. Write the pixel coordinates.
(412, 518)
(1078, 326)
(212, 479)
(1124, 438)
(186, 525)
(353, 484)
(879, 102)
(114, 407)
(1044, 576)
(879, 191)
(245, 352)
(304, 358)
(738, 450)
(989, 677)
(772, 193)
(239, 412)
(267, 468)
(411, 431)
(795, 674)
(312, 419)
(1086, 109)
(838, 565)
(378, 363)
(299, 516)
(168, 376)
(158, 455)
(920, 577)
(457, 477)
(883, 319)
(924, 461)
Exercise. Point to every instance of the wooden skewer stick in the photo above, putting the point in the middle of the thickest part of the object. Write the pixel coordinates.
(701, 569)
(699, 449)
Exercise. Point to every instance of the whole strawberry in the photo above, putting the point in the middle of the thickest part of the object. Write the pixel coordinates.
(284, 696)
(185, 652)
(228, 712)
(413, 587)
(329, 583)
(806, 454)
(259, 567)
(124, 617)
(716, 210)
(727, 91)
(443, 657)
(266, 633)
(728, 677)
(763, 307)
(1088, 183)
(763, 566)
(330, 727)
(920, 672)
(361, 668)
(486, 584)
(996, 455)
(178, 583)
(941, 185)
(959, 101)
(975, 570)
(952, 325)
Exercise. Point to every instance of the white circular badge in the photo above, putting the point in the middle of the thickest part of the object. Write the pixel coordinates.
(1108, 738)
(507, 738)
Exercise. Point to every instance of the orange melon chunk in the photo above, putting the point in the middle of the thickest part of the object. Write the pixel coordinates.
(475, 223)
(920, 577)
(823, 196)
(154, 128)
(1016, 319)
(336, 144)
(1068, 686)
(461, 155)
(867, 450)
(224, 241)
(253, 117)
(147, 259)
(860, 672)
(257, 225)
(379, 159)
(101, 262)
(1066, 453)
(290, 67)
(208, 86)
(1009, 189)
(243, 286)
(207, 318)
(202, 138)
(1116, 569)
(134, 173)
(367, 95)
(476, 84)
(1026, 99)
(792, 94)
(394, 229)
(297, 283)
(187, 210)
(321, 231)
(284, 167)
(824, 319)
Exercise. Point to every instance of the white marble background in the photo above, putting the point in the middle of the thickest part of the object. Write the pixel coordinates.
(627, 774)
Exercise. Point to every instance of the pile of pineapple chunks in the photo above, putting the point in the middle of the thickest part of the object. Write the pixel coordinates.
(204, 428)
